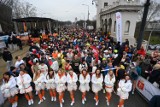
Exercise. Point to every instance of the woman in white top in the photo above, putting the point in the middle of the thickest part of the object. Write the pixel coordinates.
(125, 86)
(23, 82)
(60, 81)
(43, 67)
(84, 80)
(97, 80)
(39, 81)
(71, 84)
(50, 84)
(83, 65)
(109, 85)
(9, 89)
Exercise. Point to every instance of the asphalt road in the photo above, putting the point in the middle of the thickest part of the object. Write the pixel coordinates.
(134, 101)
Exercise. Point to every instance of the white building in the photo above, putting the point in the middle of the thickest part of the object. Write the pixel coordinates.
(106, 16)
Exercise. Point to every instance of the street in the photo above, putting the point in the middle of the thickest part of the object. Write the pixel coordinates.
(134, 101)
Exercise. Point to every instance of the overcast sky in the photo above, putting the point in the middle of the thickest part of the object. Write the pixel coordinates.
(65, 9)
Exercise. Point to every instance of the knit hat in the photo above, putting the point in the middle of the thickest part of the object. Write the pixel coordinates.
(115, 51)
(103, 59)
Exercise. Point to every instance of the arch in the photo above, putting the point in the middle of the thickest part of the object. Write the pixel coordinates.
(127, 26)
(110, 24)
(102, 22)
(103, 25)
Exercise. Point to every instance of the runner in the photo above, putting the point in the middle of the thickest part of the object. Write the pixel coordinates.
(72, 86)
(50, 84)
(39, 81)
(97, 80)
(9, 89)
(23, 82)
(84, 80)
(60, 81)
(125, 86)
(109, 85)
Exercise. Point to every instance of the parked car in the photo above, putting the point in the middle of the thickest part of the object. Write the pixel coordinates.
(154, 47)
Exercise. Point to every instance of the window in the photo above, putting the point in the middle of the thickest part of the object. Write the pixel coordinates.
(102, 23)
(105, 4)
(127, 26)
(105, 24)
(114, 26)
(130, 0)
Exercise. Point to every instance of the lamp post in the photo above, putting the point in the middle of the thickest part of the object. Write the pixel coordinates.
(141, 34)
(88, 9)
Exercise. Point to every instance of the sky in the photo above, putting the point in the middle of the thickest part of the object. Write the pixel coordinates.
(64, 10)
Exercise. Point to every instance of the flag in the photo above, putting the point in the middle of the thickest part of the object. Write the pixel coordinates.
(25, 27)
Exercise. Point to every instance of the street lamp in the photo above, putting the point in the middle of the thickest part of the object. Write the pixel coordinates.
(88, 9)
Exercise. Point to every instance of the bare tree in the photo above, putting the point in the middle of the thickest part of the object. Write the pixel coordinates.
(153, 13)
(6, 2)
(28, 10)
(23, 9)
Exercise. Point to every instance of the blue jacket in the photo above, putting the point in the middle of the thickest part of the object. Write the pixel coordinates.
(107, 69)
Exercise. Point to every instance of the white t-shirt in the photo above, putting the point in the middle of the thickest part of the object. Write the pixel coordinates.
(43, 68)
(18, 63)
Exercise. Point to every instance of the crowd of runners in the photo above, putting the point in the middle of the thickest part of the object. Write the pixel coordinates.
(79, 60)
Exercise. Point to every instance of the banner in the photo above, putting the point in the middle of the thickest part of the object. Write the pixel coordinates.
(147, 89)
(119, 27)
(24, 27)
(4, 38)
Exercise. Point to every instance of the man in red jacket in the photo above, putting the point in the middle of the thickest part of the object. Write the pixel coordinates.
(141, 51)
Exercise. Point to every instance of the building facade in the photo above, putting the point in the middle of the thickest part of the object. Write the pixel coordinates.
(106, 17)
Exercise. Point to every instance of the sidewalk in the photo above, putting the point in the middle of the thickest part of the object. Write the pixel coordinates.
(18, 52)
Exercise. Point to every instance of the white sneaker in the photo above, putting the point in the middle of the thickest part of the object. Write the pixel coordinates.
(61, 105)
(97, 103)
(32, 102)
(85, 99)
(72, 103)
(107, 103)
(36, 92)
(44, 98)
(52, 99)
(29, 102)
(40, 101)
(55, 99)
(16, 104)
(62, 100)
(104, 91)
(83, 102)
(13, 105)
(132, 92)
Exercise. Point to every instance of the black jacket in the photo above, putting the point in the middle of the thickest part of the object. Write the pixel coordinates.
(7, 56)
(155, 101)
(14, 40)
(155, 75)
